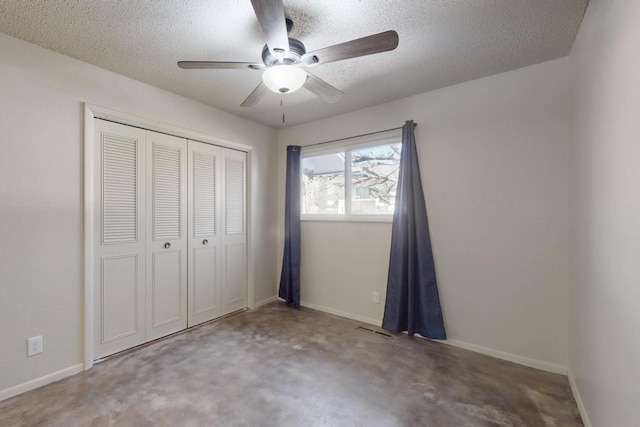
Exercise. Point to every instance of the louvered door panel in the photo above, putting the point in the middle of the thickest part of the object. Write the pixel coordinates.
(204, 241)
(204, 192)
(166, 255)
(120, 188)
(234, 240)
(167, 191)
(234, 194)
(119, 211)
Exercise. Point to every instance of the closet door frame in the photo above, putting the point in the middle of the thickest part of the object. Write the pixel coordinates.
(92, 112)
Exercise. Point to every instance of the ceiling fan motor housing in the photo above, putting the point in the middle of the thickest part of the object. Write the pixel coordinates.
(296, 50)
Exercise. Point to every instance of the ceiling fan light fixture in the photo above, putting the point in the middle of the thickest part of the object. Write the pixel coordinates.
(284, 78)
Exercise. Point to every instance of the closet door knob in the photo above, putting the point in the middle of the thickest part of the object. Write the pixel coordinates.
(167, 245)
(205, 242)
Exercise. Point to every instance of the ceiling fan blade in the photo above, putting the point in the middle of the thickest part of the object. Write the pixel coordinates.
(270, 14)
(195, 65)
(323, 89)
(375, 43)
(255, 96)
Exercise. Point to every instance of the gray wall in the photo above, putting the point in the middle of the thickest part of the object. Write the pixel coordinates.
(605, 213)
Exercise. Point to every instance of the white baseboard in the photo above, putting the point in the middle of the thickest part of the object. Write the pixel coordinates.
(264, 301)
(39, 382)
(521, 360)
(363, 319)
(515, 358)
(578, 398)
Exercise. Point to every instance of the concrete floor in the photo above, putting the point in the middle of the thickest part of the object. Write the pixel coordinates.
(276, 366)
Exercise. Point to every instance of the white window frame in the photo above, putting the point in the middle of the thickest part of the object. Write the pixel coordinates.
(346, 146)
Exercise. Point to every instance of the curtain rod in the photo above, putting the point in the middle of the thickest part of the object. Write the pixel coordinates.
(356, 136)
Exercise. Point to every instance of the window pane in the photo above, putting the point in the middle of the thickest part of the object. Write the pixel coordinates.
(323, 184)
(374, 178)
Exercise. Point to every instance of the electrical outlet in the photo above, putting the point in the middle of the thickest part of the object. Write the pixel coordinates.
(376, 297)
(34, 346)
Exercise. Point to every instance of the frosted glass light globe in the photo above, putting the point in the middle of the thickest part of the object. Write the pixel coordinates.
(284, 78)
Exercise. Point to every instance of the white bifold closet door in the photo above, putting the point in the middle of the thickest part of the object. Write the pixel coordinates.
(166, 251)
(170, 235)
(217, 232)
(205, 298)
(140, 194)
(234, 235)
(119, 234)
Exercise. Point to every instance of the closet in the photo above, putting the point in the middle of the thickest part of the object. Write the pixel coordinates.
(170, 235)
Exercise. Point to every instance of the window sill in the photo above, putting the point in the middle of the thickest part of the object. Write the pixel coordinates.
(347, 218)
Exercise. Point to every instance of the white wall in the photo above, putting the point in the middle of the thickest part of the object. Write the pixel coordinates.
(605, 213)
(494, 159)
(41, 174)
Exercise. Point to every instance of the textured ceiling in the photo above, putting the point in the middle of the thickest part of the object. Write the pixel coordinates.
(441, 43)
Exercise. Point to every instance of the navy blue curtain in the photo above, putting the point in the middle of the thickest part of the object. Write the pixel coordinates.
(290, 278)
(412, 303)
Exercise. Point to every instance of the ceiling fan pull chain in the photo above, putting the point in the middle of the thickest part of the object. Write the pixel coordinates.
(282, 105)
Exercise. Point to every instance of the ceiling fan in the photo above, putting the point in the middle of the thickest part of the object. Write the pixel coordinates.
(284, 58)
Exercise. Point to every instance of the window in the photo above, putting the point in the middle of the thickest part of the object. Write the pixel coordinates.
(357, 182)
(323, 179)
